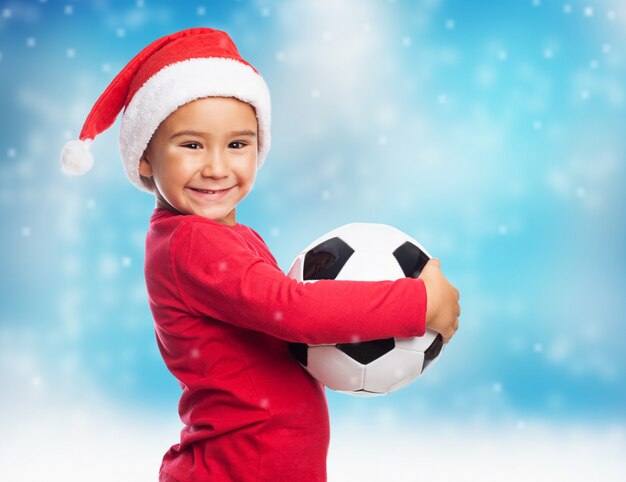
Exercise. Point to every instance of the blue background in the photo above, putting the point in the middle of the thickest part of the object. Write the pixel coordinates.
(492, 132)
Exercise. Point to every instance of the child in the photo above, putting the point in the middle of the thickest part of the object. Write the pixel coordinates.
(195, 129)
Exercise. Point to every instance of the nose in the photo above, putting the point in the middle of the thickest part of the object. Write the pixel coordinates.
(215, 165)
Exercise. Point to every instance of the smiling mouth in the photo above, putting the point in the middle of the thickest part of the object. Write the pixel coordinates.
(211, 191)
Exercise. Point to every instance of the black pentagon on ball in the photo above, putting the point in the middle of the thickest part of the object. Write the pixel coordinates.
(325, 260)
(300, 352)
(432, 351)
(367, 351)
(411, 259)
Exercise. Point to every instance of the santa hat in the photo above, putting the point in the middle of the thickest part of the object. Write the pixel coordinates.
(168, 73)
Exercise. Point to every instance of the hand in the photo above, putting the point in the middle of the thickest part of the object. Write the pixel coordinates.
(442, 309)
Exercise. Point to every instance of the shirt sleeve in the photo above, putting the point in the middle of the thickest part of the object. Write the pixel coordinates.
(218, 276)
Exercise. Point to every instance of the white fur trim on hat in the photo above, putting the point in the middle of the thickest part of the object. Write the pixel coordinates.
(180, 83)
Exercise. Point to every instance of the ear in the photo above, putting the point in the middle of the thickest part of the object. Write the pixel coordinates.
(145, 168)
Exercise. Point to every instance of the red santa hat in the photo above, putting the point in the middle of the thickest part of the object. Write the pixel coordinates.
(168, 73)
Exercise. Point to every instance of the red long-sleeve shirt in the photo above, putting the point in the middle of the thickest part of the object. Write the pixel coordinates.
(223, 314)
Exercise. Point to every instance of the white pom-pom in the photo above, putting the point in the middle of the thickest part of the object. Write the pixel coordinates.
(76, 159)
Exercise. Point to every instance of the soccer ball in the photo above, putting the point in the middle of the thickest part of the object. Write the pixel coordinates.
(366, 252)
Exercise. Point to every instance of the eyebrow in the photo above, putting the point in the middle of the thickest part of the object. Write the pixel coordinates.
(248, 133)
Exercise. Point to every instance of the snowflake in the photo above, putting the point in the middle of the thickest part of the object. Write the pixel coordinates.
(11, 152)
(450, 25)
(502, 55)
(265, 12)
(264, 403)
(222, 266)
(6, 13)
(126, 262)
(278, 316)
(68, 9)
(201, 11)
(120, 33)
(406, 41)
(588, 11)
(567, 8)
(70, 53)
(31, 42)
(26, 231)
(194, 353)
(497, 388)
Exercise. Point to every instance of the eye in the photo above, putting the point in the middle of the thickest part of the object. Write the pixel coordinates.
(192, 144)
(237, 145)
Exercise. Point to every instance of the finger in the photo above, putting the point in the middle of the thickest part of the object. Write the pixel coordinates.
(456, 324)
(458, 310)
(435, 261)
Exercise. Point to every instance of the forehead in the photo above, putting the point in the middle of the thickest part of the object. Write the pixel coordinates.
(214, 111)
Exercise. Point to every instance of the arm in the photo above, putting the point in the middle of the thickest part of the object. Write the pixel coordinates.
(218, 276)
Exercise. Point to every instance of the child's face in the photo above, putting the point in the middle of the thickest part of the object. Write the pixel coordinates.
(202, 159)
